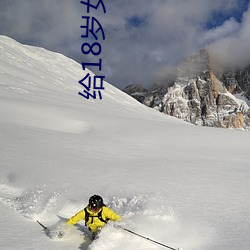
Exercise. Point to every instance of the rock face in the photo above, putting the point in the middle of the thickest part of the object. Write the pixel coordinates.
(137, 91)
(201, 97)
(237, 81)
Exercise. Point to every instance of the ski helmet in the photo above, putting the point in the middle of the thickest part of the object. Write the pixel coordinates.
(95, 202)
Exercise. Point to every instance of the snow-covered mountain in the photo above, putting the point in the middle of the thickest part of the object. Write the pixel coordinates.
(201, 96)
(182, 185)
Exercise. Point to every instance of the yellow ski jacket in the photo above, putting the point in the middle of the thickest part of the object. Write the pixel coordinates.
(94, 223)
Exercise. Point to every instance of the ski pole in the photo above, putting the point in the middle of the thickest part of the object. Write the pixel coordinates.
(45, 228)
(146, 238)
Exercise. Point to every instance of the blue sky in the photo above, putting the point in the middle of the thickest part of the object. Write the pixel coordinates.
(145, 39)
(218, 17)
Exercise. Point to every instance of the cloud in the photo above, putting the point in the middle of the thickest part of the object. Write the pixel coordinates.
(228, 28)
(233, 49)
(145, 39)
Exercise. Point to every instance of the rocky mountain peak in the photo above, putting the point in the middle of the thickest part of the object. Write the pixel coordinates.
(202, 97)
(196, 64)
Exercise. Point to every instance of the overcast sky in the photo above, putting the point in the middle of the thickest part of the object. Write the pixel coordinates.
(144, 39)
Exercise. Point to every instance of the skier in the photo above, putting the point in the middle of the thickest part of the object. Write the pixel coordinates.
(95, 214)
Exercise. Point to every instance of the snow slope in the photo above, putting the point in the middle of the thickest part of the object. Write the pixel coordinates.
(176, 183)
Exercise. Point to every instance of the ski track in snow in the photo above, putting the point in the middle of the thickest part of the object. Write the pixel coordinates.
(145, 214)
(42, 116)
